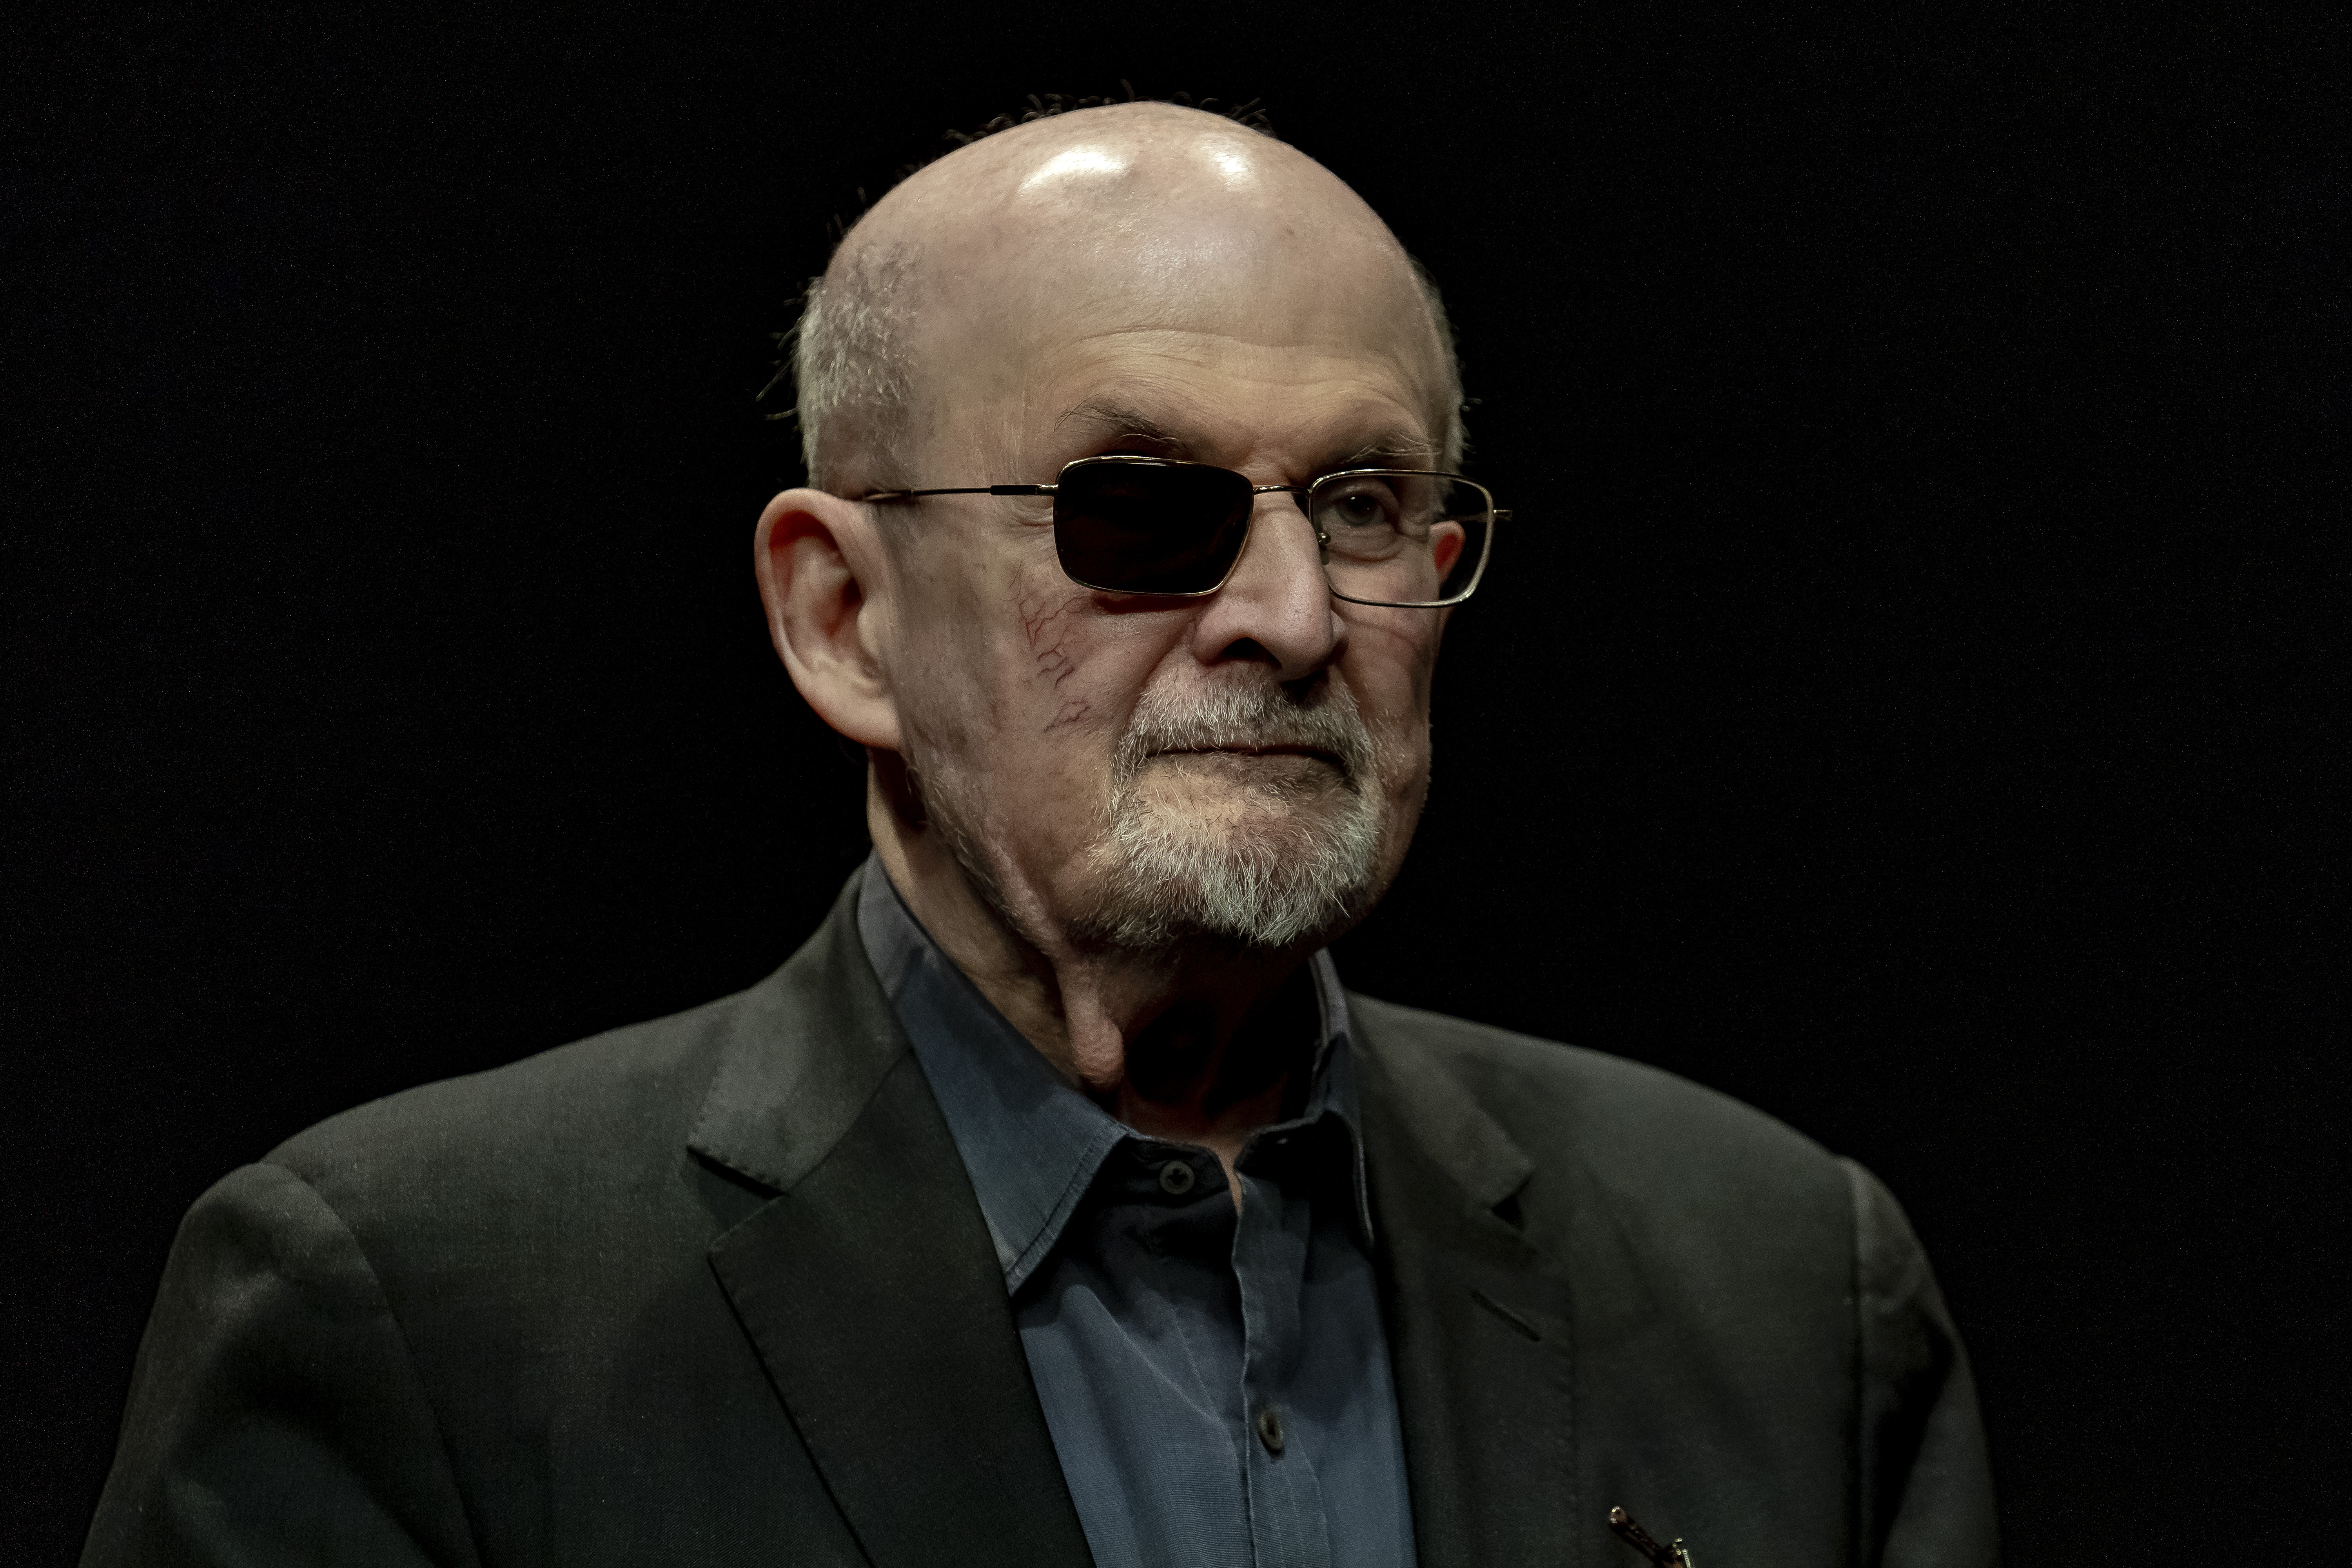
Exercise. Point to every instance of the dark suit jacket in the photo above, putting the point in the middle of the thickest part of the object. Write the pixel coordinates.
(715, 1290)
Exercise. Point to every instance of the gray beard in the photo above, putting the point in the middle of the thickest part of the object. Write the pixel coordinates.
(1170, 878)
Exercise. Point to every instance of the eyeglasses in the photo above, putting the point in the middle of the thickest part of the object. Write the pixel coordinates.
(1400, 538)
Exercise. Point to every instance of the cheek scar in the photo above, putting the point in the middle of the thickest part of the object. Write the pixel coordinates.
(1056, 663)
(1040, 614)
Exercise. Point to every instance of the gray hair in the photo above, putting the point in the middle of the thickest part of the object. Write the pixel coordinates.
(1453, 440)
(853, 371)
(855, 376)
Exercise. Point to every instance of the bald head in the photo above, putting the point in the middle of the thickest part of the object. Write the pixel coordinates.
(958, 313)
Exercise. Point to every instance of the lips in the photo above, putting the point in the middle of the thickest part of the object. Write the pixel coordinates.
(1315, 752)
(1252, 751)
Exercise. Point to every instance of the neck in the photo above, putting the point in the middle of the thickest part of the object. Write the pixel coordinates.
(1191, 1046)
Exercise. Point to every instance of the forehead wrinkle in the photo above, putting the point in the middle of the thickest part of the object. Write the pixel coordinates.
(1392, 372)
(1169, 322)
(1109, 416)
(1127, 352)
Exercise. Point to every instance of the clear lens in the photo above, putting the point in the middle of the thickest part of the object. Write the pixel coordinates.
(1400, 538)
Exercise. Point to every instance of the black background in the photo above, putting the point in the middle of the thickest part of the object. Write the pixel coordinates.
(1912, 700)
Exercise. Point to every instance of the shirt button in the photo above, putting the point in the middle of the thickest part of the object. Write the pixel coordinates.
(1176, 1177)
(1269, 1429)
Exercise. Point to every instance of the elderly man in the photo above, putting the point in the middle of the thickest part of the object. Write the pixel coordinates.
(1055, 1201)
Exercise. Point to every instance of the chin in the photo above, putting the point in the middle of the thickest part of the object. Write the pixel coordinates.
(1268, 876)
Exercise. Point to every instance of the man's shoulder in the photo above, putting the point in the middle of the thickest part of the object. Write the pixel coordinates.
(1647, 1138)
(684, 1122)
(589, 1115)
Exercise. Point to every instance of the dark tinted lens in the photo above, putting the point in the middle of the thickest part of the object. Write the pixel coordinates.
(1142, 526)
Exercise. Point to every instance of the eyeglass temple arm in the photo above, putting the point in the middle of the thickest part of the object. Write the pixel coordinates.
(965, 490)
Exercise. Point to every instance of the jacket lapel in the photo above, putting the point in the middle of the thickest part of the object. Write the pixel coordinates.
(868, 1284)
(1478, 1318)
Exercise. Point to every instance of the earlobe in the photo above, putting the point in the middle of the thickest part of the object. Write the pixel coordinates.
(820, 568)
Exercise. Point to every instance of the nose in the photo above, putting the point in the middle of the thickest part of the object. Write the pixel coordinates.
(1275, 607)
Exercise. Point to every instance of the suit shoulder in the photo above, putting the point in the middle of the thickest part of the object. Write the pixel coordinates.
(583, 1110)
(1640, 1129)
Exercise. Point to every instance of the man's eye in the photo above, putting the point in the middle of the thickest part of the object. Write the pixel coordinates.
(1361, 509)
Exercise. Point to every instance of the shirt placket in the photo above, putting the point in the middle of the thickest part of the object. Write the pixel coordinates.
(1287, 1529)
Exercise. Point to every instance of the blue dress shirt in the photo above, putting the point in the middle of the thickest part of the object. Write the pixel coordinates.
(1216, 1384)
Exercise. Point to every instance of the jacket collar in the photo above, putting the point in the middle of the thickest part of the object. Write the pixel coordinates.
(868, 1284)
(808, 1047)
(1478, 1315)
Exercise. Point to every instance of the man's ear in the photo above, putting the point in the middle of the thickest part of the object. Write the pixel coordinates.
(817, 557)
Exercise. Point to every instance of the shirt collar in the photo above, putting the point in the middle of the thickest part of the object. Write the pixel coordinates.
(1030, 1142)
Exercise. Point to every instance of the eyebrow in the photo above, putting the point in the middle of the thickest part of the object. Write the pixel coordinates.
(1391, 448)
(1108, 419)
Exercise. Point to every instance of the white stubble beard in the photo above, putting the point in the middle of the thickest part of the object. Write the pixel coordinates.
(1284, 875)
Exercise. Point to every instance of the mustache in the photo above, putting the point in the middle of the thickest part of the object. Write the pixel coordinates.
(1249, 719)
